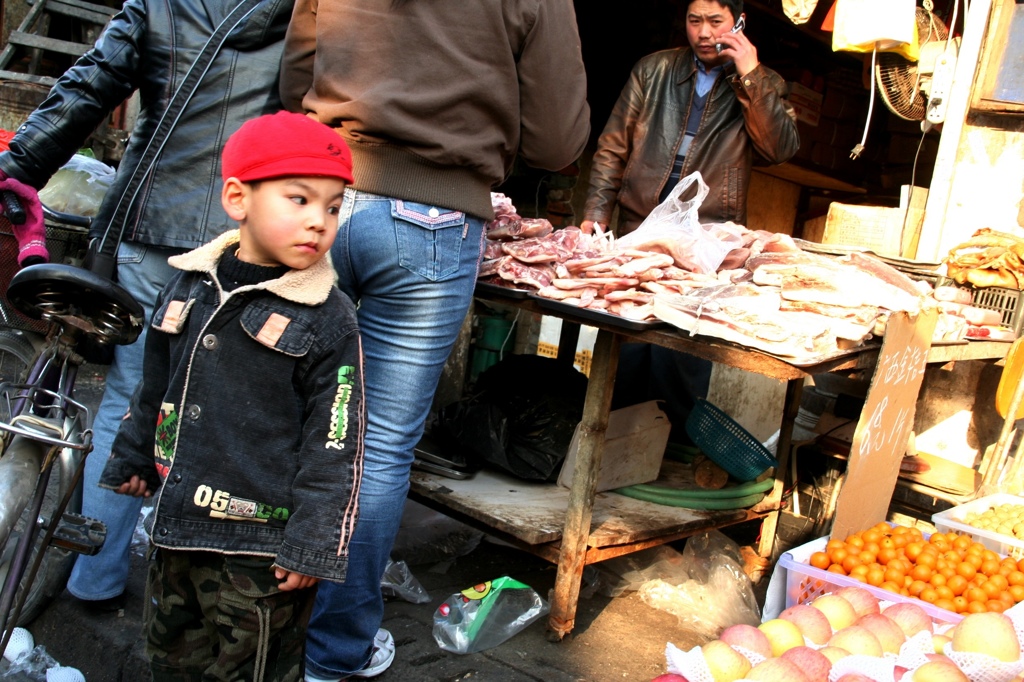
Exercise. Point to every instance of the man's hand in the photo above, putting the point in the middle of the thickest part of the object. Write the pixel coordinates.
(741, 51)
(293, 580)
(136, 487)
(591, 226)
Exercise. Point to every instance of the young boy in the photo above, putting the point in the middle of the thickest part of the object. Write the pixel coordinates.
(250, 417)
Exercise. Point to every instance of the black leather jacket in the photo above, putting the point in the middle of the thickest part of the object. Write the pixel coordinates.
(744, 118)
(149, 46)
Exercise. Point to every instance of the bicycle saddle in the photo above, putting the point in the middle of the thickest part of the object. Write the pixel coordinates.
(94, 304)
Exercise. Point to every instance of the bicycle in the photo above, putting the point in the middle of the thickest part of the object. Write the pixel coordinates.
(44, 430)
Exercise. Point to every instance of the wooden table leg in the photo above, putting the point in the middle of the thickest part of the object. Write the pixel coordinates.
(794, 388)
(573, 551)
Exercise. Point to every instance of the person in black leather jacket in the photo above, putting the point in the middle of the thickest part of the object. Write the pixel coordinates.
(148, 48)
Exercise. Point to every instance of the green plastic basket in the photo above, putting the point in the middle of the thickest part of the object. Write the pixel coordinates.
(726, 443)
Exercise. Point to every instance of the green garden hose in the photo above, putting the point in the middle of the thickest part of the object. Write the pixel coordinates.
(736, 497)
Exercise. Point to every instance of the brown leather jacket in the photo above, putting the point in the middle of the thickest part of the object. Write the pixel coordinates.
(639, 142)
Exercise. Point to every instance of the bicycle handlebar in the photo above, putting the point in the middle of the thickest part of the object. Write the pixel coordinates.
(12, 207)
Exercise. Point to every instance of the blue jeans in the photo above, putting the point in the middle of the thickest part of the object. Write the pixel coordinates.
(412, 270)
(142, 270)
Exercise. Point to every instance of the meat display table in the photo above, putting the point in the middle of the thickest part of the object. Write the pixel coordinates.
(578, 526)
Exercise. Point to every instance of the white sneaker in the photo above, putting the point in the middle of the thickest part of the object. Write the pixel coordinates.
(382, 658)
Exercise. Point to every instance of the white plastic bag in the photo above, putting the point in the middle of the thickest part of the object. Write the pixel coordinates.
(860, 25)
(718, 593)
(799, 11)
(673, 227)
(78, 187)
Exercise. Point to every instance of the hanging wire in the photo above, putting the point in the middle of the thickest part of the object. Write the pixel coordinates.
(859, 149)
(913, 178)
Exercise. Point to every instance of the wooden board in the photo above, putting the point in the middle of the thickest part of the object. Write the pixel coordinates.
(535, 512)
(634, 445)
(881, 438)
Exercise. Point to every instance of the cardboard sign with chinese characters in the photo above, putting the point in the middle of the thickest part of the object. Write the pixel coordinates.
(880, 441)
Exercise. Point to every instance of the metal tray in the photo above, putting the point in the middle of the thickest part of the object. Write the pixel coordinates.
(498, 290)
(598, 316)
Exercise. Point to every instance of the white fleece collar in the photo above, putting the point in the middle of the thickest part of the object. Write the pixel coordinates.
(308, 287)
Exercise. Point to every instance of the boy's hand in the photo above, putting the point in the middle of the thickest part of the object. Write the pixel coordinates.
(136, 487)
(293, 580)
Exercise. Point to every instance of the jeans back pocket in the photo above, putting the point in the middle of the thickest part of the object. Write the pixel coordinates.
(429, 238)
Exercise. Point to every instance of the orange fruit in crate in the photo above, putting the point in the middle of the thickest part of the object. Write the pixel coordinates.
(884, 554)
(1017, 592)
(990, 567)
(820, 560)
(875, 576)
(995, 605)
(975, 593)
(967, 570)
(957, 584)
(920, 572)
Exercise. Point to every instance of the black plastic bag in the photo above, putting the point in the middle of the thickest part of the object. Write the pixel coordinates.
(520, 419)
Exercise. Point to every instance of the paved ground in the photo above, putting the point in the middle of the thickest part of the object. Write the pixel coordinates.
(615, 638)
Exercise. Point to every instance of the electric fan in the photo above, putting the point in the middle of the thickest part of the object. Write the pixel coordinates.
(916, 90)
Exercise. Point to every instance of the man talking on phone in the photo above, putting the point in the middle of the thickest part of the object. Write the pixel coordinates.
(689, 109)
(710, 107)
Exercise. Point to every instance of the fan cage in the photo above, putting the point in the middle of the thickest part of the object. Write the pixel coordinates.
(897, 77)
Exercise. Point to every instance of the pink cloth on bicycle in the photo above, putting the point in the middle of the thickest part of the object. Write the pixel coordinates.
(31, 235)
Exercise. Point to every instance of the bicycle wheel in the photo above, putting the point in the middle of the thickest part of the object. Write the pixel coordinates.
(16, 354)
(56, 566)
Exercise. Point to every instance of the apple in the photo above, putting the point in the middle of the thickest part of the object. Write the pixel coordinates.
(939, 642)
(812, 623)
(814, 665)
(781, 634)
(987, 633)
(725, 663)
(911, 618)
(863, 602)
(776, 670)
(889, 634)
(937, 671)
(833, 653)
(747, 637)
(855, 677)
(857, 640)
(840, 613)
(670, 677)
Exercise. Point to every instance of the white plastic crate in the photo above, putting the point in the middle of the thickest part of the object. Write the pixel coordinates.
(953, 520)
(804, 582)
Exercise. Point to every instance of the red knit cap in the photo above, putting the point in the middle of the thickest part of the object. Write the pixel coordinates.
(285, 144)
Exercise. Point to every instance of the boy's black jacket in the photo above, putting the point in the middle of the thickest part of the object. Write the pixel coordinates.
(251, 411)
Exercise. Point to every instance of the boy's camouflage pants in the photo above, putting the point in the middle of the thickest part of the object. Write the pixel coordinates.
(212, 616)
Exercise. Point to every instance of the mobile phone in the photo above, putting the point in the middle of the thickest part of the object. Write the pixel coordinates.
(740, 25)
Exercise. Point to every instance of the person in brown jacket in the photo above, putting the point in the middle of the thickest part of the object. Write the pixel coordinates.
(692, 109)
(687, 109)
